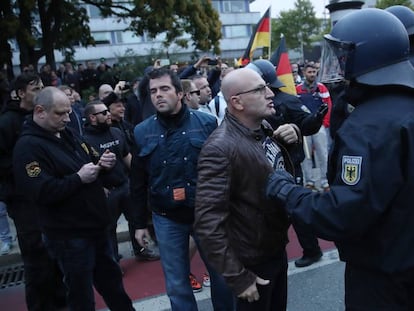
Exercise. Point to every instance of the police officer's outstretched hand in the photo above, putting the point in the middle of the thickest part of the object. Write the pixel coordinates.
(251, 293)
(89, 172)
(279, 184)
(322, 111)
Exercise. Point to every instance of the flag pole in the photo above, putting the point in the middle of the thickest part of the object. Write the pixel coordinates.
(270, 31)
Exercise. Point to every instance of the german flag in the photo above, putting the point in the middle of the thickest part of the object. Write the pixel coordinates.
(280, 59)
(260, 38)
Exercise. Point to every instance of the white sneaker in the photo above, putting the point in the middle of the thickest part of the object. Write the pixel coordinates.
(6, 248)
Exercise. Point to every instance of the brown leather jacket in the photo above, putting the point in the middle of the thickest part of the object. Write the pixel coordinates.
(235, 222)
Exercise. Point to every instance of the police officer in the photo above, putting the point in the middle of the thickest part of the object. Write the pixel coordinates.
(368, 211)
(406, 16)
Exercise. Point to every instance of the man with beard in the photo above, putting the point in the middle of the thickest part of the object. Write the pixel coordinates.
(101, 136)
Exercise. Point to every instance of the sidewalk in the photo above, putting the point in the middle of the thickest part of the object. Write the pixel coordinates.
(315, 288)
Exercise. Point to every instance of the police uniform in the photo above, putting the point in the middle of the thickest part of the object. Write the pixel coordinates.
(368, 211)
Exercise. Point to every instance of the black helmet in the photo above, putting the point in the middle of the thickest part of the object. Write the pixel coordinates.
(372, 47)
(267, 71)
(405, 15)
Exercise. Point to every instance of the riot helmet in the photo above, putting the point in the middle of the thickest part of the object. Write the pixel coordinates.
(372, 47)
(267, 71)
(405, 15)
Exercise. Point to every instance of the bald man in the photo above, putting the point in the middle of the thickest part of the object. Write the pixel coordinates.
(243, 233)
(104, 91)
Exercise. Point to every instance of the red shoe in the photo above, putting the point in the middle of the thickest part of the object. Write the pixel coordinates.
(195, 285)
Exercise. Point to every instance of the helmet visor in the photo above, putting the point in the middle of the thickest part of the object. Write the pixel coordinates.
(344, 53)
(330, 70)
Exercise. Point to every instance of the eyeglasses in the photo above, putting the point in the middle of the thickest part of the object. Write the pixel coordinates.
(261, 90)
(103, 112)
(195, 92)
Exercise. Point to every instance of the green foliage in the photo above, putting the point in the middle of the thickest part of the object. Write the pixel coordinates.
(383, 4)
(299, 25)
(64, 23)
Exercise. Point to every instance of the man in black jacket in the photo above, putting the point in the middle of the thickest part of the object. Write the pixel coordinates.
(59, 172)
(44, 288)
(102, 136)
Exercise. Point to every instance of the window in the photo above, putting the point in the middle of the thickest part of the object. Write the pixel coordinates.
(102, 37)
(234, 6)
(127, 37)
(94, 12)
(216, 5)
(236, 31)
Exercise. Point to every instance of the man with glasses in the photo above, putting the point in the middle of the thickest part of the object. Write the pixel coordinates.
(243, 233)
(191, 94)
(101, 136)
(61, 173)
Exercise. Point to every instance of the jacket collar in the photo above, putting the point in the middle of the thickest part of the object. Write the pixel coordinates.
(266, 129)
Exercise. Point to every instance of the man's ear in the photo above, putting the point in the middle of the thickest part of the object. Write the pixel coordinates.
(235, 103)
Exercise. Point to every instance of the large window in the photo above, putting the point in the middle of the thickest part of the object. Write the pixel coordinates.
(102, 37)
(127, 37)
(216, 5)
(94, 12)
(236, 31)
(234, 6)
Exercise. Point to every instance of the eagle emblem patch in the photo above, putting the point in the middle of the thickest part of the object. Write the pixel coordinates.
(33, 169)
(351, 169)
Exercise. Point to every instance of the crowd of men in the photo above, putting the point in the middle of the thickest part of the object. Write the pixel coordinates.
(219, 160)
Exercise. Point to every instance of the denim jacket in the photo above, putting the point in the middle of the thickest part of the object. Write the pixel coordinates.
(164, 166)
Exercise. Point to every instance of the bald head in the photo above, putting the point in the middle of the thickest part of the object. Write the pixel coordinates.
(237, 81)
(247, 96)
(105, 90)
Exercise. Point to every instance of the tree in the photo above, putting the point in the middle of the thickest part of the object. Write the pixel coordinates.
(44, 26)
(383, 4)
(298, 25)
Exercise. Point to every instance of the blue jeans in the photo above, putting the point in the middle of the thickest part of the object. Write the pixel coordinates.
(88, 262)
(5, 235)
(172, 238)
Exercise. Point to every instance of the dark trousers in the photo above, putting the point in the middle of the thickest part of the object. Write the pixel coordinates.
(372, 290)
(119, 202)
(44, 287)
(273, 297)
(307, 239)
(89, 262)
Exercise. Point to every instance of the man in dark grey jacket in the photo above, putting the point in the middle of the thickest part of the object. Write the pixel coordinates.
(243, 233)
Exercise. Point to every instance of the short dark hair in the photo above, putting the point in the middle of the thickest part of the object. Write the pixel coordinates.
(309, 65)
(90, 109)
(25, 79)
(160, 72)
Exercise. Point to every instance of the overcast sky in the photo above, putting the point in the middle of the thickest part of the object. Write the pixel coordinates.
(284, 5)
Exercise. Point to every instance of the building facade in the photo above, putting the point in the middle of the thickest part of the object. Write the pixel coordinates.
(112, 40)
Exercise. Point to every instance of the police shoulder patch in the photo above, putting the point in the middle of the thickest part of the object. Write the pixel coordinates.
(351, 169)
(33, 169)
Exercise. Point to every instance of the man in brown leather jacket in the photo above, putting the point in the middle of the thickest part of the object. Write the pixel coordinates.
(243, 233)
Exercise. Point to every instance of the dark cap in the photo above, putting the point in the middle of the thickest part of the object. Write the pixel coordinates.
(111, 98)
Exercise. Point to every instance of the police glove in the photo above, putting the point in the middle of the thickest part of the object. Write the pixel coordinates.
(279, 185)
(322, 111)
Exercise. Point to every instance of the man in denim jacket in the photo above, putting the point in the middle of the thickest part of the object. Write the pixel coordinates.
(163, 178)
